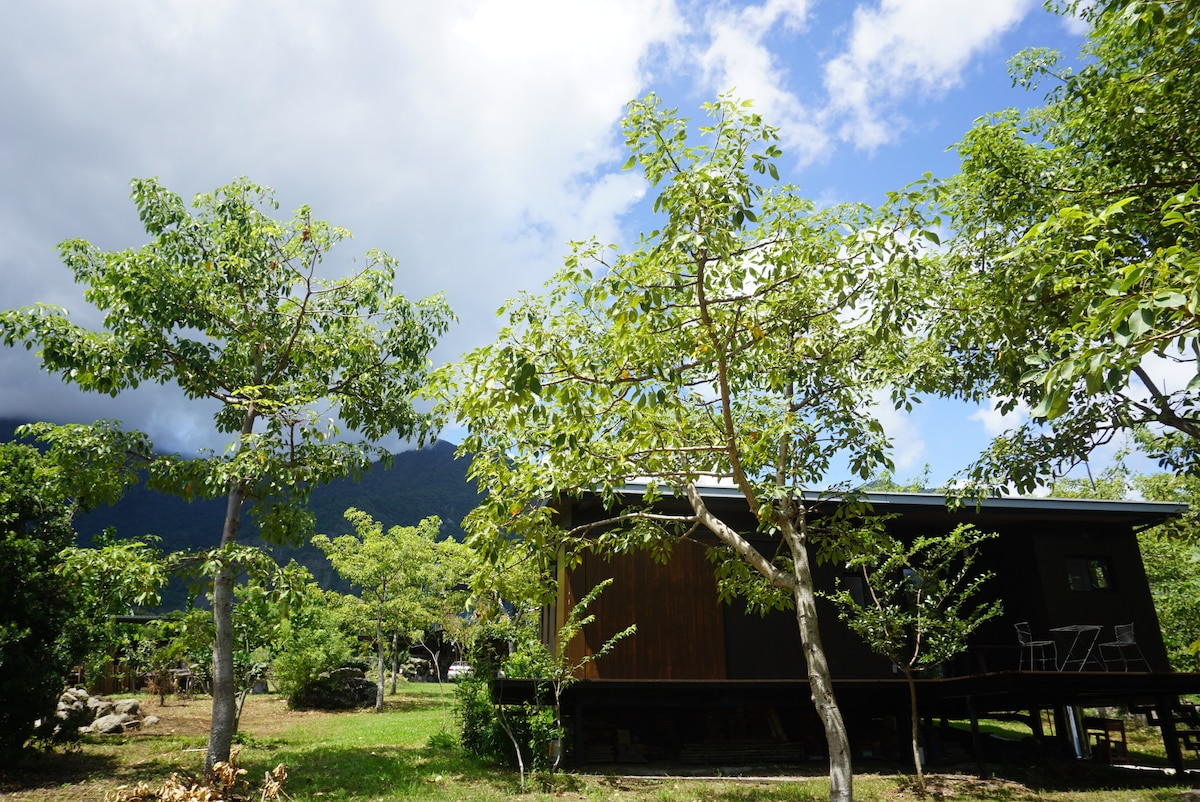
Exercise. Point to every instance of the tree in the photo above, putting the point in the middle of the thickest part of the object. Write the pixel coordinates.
(393, 569)
(113, 577)
(740, 342)
(227, 304)
(1073, 267)
(35, 526)
(918, 604)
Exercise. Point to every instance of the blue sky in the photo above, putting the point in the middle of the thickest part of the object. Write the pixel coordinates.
(472, 139)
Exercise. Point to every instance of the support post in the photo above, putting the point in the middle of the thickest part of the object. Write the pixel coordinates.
(976, 741)
(1165, 707)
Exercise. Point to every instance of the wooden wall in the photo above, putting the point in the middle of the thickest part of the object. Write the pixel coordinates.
(680, 626)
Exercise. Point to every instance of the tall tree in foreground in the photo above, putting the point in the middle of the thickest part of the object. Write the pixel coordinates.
(1074, 274)
(740, 343)
(227, 304)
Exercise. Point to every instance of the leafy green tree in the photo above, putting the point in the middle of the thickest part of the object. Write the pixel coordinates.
(227, 304)
(918, 604)
(393, 569)
(35, 526)
(113, 577)
(739, 342)
(1073, 266)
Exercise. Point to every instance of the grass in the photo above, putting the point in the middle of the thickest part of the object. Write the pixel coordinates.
(368, 757)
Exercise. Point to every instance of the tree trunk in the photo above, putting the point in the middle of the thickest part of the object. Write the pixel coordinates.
(379, 662)
(800, 581)
(916, 728)
(395, 659)
(224, 706)
(223, 725)
(841, 773)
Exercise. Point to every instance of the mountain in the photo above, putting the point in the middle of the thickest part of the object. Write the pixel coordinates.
(429, 481)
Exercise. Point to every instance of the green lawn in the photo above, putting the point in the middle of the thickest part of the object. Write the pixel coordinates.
(368, 757)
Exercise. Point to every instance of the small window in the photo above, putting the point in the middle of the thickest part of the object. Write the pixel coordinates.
(1089, 574)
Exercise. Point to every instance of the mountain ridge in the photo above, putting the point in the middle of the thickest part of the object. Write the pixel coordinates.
(419, 483)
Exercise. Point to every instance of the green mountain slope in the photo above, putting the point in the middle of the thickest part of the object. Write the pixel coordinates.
(418, 484)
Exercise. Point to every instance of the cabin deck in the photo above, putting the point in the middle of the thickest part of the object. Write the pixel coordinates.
(637, 721)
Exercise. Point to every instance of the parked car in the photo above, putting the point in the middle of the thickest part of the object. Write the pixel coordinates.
(460, 669)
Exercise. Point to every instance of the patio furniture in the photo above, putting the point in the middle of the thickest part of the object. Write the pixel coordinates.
(1035, 650)
(1125, 648)
(1079, 650)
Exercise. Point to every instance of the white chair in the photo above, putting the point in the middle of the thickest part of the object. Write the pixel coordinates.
(1124, 648)
(1038, 652)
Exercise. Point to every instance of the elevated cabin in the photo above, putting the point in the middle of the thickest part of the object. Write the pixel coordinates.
(701, 676)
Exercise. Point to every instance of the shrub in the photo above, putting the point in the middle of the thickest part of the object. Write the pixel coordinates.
(308, 652)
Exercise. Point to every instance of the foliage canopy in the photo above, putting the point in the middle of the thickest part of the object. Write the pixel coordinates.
(1073, 276)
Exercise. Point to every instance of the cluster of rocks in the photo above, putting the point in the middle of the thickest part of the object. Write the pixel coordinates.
(96, 714)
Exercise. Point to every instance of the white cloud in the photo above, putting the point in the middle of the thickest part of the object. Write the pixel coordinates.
(471, 139)
(736, 58)
(904, 49)
(995, 422)
(908, 445)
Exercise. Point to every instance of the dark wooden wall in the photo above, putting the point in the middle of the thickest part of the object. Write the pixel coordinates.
(684, 632)
(681, 632)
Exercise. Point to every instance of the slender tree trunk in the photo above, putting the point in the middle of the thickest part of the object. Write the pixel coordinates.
(916, 728)
(800, 582)
(223, 725)
(379, 662)
(395, 659)
(841, 773)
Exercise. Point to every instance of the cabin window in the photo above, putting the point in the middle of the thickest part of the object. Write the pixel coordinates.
(1089, 574)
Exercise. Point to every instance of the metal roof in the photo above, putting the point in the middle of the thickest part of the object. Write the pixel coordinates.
(1142, 510)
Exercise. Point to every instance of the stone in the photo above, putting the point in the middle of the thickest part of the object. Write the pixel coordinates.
(112, 724)
(129, 706)
(100, 706)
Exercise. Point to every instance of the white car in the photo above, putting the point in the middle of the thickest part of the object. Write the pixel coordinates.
(460, 669)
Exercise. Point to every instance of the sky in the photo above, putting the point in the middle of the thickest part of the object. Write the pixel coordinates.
(471, 139)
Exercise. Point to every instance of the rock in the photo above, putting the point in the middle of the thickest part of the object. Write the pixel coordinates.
(129, 706)
(112, 724)
(100, 706)
(150, 721)
(74, 696)
(343, 689)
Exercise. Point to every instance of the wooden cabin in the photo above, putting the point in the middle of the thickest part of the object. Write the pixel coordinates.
(701, 678)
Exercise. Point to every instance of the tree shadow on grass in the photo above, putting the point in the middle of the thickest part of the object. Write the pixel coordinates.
(41, 770)
(407, 704)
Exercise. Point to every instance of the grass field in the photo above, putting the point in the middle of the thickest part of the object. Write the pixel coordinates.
(368, 757)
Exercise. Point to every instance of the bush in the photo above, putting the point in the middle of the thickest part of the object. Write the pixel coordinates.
(481, 734)
(35, 605)
(309, 650)
(343, 688)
